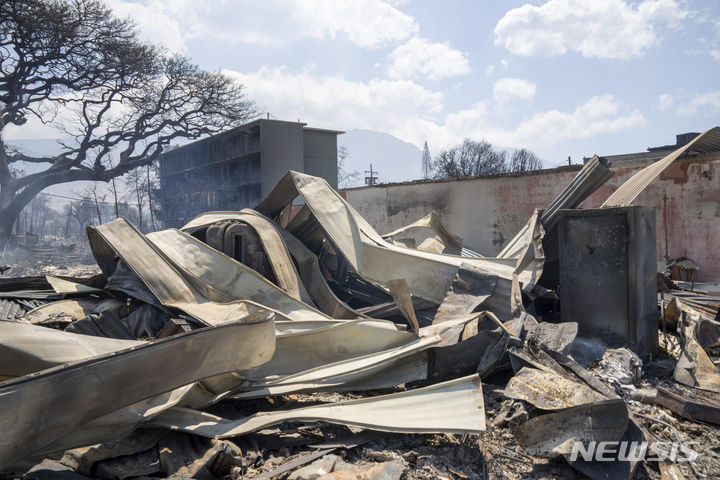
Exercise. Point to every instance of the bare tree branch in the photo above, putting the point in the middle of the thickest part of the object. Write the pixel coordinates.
(118, 101)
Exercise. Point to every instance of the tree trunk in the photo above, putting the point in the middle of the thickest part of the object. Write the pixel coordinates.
(97, 206)
(8, 216)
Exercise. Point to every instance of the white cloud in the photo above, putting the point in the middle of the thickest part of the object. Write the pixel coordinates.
(415, 114)
(153, 21)
(703, 103)
(665, 102)
(33, 129)
(598, 115)
(366, 23)
(600, 29)
(506, 89)
(504, 63)
(419, 57)
(335, 102)
(489, 70)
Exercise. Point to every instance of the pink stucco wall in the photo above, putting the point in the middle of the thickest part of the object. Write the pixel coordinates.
(487, 212)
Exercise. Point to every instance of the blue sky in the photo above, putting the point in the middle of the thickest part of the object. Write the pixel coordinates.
(560, 77)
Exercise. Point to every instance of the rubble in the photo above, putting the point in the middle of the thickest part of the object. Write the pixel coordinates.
(261, 344)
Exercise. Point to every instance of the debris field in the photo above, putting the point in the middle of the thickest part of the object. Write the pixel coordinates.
(294, 341)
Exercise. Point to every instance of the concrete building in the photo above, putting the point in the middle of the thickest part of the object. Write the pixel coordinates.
(238, 168)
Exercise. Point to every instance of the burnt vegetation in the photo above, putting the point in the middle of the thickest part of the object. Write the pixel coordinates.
(472, 158)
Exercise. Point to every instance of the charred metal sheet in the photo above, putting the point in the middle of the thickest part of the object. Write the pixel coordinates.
(703, 411)
(307, 262)
(552, 336)
(401, 294)
(167, 284)
(121, 422)
(412, 411)
(29, 348)
(708, 141)
(464, 357)
(549, 391)
(579, 371)
(62, 285)
(62, 311)
(196, 261)
(103, 324)
(428, 275)
(309, 349)
(617, 467)
(694, 368)
(34, 282)
(432, 221)
(537, 359)
(391, 309)
(10, 310)
(555, 433)
(280, 261)
(468, 290)
(114, 381)
(17, 295)
(382, 369)
(358, 355)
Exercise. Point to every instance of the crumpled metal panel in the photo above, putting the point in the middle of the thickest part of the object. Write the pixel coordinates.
(30, 348)
(10, 310)
(62, 310)
(200, 300)
(708, 141)
(196, 260)
(548, 390)
(434, 223)
(411, 411)
(428, 275)
(90, 389)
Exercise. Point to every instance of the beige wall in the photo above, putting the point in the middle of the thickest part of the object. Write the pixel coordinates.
(487, 212)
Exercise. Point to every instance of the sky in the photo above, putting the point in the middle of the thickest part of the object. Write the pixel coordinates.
(560, 77)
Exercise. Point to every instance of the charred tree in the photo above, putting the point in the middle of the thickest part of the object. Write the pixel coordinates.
(116, 101)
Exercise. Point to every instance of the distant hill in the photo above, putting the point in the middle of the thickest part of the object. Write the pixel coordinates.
(395, 160)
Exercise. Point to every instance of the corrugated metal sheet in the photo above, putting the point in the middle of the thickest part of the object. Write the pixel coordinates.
(593, 175)
(708, 141)
(10, 310)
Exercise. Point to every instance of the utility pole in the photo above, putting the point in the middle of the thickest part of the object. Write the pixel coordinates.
(149, 187)
(117, 215)
(372, 179)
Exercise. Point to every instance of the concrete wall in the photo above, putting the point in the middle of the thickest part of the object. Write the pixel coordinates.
(281, 147)
(320, 152)
(487, 212)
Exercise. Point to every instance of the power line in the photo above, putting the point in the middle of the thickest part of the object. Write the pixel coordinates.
(87, 198)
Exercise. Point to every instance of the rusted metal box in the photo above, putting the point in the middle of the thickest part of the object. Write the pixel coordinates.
(608, 279)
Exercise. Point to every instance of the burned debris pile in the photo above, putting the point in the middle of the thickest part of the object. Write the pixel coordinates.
(294, 341)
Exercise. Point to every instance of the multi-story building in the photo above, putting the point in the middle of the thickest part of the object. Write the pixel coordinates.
(238, 168)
